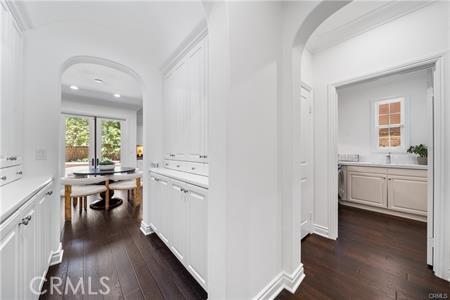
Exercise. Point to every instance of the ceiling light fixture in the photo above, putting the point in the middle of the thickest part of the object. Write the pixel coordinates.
(98, 80)
(117, 95)
(74, 87)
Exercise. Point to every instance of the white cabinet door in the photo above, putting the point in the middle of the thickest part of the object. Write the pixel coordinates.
(43, 222)
(198, 233)
(408, 194)
(28, 245)
(178, 219)
(197, 95)
(164, 203)
(367, 188)
(155, 204)
(9, 258)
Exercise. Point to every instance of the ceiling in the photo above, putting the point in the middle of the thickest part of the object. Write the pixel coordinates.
(356, 18)
(83, 76)
(158, 27)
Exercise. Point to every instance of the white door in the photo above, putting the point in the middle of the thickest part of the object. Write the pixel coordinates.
(28, 246)
(178, 219)
(164, 203)
(155, 207)
(306, 159)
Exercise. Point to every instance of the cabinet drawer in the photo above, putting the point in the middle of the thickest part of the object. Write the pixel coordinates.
(370, 170)
(10, 174)
(10, 161)
(408, 172)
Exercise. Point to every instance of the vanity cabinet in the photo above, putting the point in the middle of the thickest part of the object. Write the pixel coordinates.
(185, 106)
(401, 192)
(178, 212)
(11, 89)
(25, 247)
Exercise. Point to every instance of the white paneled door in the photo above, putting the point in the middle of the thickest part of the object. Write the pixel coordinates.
(306, 160)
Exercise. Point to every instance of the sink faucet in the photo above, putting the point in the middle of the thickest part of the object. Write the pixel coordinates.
(388, 158)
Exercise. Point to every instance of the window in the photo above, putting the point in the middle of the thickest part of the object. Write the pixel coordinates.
(389, 124)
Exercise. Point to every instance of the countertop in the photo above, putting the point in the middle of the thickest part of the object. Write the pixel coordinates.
(15, 194)
(198, 180)
(383, 165)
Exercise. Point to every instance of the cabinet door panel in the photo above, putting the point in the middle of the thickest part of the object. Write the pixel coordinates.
(28, 245)
(178, 221)
(198, 233)
(164, 202)
(9, 258)
(408, 194)
(155, 206)
(369, 189)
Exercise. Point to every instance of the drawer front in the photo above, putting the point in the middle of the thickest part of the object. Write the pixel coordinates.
(10, 161)
(408, 172)
(376, 170)
(10, 174)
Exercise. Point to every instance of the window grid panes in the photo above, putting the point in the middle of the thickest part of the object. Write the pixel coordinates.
(389, 123)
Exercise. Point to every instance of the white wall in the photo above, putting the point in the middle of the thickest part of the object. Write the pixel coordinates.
(356, 111)
(128, 129)
(307, 67)
(399, 42)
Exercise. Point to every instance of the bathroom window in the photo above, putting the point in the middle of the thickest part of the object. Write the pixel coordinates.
(389, 124)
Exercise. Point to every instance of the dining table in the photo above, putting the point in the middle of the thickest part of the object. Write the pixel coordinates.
(100, 204)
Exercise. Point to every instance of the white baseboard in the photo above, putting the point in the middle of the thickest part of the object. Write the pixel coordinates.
(145, 228)
(282, 281)
(56, 257)
(321, 230)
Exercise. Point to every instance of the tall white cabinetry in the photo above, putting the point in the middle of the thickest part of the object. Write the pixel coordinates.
(11, 89)
(185, 105)
(25, 247)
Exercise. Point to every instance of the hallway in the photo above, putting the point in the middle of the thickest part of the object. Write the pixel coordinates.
(99, 243)
(375, 257)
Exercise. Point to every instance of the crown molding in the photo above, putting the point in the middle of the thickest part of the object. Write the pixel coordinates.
(19, 13)
(199, 32)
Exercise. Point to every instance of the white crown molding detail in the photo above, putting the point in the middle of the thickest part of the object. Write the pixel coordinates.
(321, 230)
(191, 40)
(145, 228)
(19, 14)
(282, 281)
(384, 14)
(56, 257)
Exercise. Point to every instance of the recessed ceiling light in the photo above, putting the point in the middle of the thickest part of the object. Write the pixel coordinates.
(117, 95)
(98, 80)
(74, 87)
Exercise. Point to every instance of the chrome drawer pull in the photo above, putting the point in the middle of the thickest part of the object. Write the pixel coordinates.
(4, 178)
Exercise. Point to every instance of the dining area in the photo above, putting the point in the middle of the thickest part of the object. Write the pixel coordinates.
(101, 184)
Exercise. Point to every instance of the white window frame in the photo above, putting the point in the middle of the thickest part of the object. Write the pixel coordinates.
(402, 126)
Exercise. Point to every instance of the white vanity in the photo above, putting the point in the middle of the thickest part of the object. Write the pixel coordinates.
(396, 189)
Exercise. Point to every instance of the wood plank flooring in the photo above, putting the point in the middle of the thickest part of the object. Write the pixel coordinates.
(99, 243)
(375, 257)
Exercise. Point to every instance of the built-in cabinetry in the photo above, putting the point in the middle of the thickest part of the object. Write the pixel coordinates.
(11, 90)
(178, 213)
(25, 247)
(185, 105)
(401, 192)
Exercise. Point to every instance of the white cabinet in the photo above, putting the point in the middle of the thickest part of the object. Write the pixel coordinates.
(25, 248)
(402, 192)
(11, 89)
(408, 194)
(367, 188)
(185, 106)
(179, 217)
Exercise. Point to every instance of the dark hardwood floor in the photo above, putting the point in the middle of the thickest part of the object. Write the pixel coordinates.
(99, 243)
(375, 257)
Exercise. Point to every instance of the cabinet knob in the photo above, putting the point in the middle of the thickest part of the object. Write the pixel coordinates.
(178, 166)
(49, 193)
(19, 172)
(4, 178)
(11, 158)
(25, 220)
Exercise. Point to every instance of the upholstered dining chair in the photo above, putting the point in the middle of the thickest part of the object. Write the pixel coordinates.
(128, 182)
(78, 189)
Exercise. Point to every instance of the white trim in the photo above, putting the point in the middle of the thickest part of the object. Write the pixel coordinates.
(321, 230)
(56, 257)
(441, 264)
(282, 281)
(189, 42)
(145, 228)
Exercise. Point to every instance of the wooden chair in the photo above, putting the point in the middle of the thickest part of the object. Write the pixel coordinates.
(128, 182)
(78, 189)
